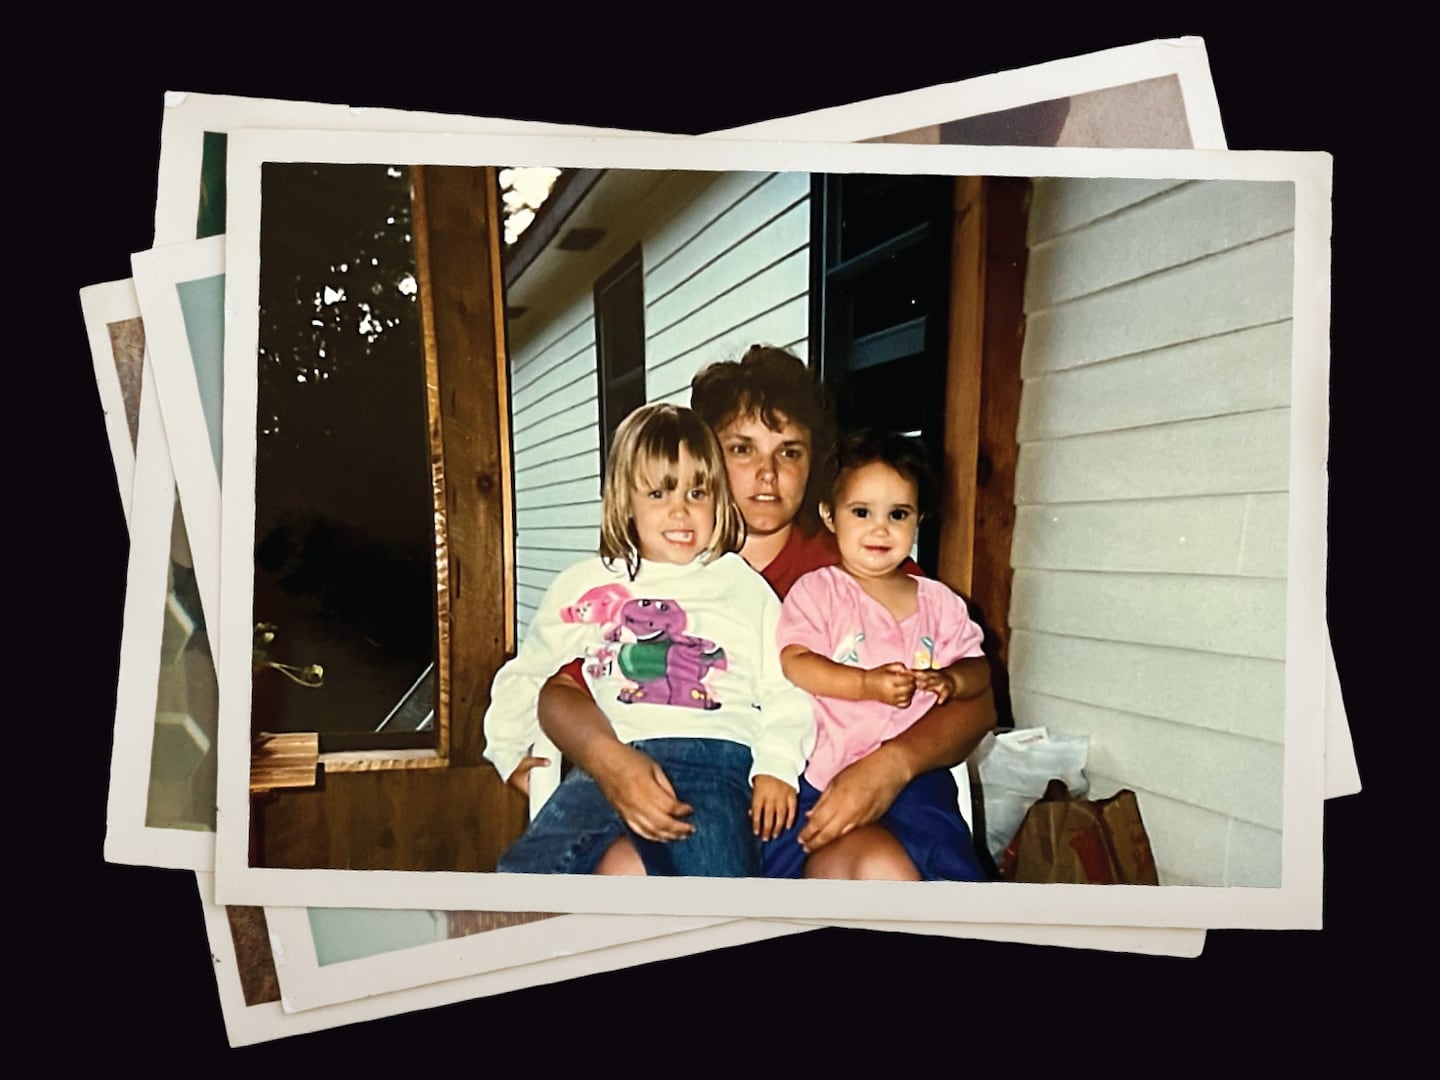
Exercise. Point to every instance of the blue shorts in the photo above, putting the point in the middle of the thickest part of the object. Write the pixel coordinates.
(576, 825)
(925, 818)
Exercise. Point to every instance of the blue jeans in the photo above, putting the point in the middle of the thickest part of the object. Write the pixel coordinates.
(574, 828)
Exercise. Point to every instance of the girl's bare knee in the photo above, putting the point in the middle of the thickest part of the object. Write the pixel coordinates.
(869, 854)
(621, 858)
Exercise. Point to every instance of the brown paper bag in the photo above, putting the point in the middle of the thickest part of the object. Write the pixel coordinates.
(1081, 841)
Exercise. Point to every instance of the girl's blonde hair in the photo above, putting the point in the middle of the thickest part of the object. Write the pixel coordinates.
(648, 443)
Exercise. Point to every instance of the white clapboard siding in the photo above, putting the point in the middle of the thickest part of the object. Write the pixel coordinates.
(1230, 615)
(1216, 534)
(1149, 549)
(554, 410)
(762, 289)
(543, 362)
(1243, 371)
(771, 326)
(560, 457)
(1242, 695)
(1216, 295)
(1221, 455)
(1062, 206)
(738, 209)
(1125, 247)
(569, 490)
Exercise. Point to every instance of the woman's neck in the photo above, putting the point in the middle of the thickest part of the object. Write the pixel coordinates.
(760, 550)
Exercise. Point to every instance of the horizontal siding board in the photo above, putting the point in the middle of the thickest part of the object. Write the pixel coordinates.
(579, 392)
(582, 418)
(538, 561)
(683, 218)
(568, 334)
(583, 541)
(777, 240)
(1241, 535)
(782, 281)
(1253, 856)
(558, 437)
(757, 228)
(1181, 225)
(575, 515)
(584, 463)
(564, 370)
(1246, 286)
(777, 323)
(1060, 204)
(1240, 372)
(1249, 452)
(1264, 549)
(578, 447)
(1236, 694)
(571, 489)
(1234, 616)
(1226, 774)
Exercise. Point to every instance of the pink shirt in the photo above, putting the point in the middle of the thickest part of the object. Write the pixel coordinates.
(827, 612)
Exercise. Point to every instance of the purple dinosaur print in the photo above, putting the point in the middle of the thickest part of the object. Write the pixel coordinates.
(666, 664)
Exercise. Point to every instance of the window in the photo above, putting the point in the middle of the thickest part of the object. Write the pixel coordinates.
(619, 345)
(880, 304)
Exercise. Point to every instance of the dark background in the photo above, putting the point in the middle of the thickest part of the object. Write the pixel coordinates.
(117, 965)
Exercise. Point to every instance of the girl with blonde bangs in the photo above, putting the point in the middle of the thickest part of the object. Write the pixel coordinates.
(646, 454)
(678, 650)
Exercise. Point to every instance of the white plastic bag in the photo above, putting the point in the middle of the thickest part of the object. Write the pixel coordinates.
(1011, 770)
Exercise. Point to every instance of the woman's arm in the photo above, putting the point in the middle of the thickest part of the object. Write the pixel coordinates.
(631, 781)
(863, 791)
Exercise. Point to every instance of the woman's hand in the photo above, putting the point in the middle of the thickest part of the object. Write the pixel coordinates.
(520, 778)
(893, 684)
(635, 785)
(859, 794)
(772, 806)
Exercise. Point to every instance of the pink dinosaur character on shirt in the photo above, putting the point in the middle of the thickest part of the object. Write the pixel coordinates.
(598, 605)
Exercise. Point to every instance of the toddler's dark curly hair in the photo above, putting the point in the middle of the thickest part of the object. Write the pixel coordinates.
(906, 454)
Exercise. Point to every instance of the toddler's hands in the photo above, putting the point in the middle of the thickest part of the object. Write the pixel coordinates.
(939, 682)
(772, 806)
(520, 778)
(894, 684)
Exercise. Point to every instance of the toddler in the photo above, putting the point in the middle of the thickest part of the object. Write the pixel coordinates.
(878, 647)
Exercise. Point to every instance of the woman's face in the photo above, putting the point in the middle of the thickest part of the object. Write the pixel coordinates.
(768, 470)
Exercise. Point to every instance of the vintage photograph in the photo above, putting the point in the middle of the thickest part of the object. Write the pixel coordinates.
(116, 334)
(1111, 500)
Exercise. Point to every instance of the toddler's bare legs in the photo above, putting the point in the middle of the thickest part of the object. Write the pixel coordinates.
(869, 853)
(621, 858)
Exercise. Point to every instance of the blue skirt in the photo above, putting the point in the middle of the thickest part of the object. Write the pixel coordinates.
(925, 818)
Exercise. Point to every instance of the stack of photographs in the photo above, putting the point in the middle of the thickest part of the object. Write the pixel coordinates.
(356, 433)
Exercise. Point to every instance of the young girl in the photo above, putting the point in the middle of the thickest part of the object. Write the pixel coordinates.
(878, 647)
(677, 638)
